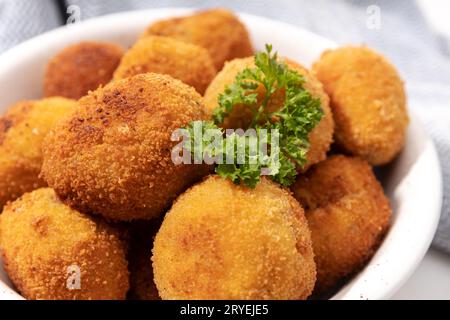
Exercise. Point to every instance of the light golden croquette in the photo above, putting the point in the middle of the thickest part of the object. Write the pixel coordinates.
(113, 155)
(217, 30)
(81, 67)
(320, 137)
(53, 252)
(22, 130)
(347, 214)
(142, 286)
(224, 241)
(368, 102)
(183, 61)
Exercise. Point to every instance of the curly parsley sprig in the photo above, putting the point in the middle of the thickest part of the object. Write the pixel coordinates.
(293, 122)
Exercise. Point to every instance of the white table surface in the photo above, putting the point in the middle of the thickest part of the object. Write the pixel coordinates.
(431, 280)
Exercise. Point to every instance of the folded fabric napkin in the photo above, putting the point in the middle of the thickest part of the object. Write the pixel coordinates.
(402, 34)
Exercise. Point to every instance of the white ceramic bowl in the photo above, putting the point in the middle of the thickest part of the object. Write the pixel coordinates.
(412, 182)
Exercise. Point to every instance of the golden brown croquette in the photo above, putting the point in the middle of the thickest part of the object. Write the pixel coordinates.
(347, 214)
(81, 67)
(142, 286)
(241, 116)
(320, 137)
(53, 252)
(225, 241)
(368, 102)
(217, 30)
(113, 155)
(183, 61)
(22, 129)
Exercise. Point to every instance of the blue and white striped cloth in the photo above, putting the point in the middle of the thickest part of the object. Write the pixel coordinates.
(404, 37)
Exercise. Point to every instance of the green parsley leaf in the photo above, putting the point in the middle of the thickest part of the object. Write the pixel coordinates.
(293, 122)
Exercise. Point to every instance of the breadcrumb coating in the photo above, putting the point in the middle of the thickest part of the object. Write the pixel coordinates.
(347, 214)
(42, 240)
(224, 241)
(217, 30)
(183, 61)
(113, 155)
(368, 102)
(22, 130)
(80, 68)
(320, 137)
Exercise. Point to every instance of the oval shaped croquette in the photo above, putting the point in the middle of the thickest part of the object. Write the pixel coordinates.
(22, 131)
(81, 67)
(51, 251)
(347, 214)
(224, 241)
(320, 137)
(113, 155)
(368, 102)
(183, 61)
(217, 30)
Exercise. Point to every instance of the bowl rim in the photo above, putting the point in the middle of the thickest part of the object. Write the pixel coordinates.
(12, 57)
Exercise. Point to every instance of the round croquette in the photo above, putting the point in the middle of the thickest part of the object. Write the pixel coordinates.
(183, 61)
(347, 214)
(81, 67)
(53, 252)
(225, 241)
(22, 130)
(142, 286)
(217, 30)
(368, 102)
(320, 137)
(113, 155)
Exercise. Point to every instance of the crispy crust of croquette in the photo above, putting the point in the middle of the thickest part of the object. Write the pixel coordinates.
(240, 117)
(41, 238)
(81, 67)
(218, 30)
(223, 241)
(368, 102)
(113, 155)
(142, 286)
(22, 129)
(187, 62)
(347, 214)
(320, 137)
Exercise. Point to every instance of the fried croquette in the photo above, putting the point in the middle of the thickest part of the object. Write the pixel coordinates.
(217, 30)
(368, 102)
(183, 61)
(22, 129)
(53, 252)
(225, 241)
(320, 137)
(81, 67)
(142, 286)
(113, 155)
(347, 214)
